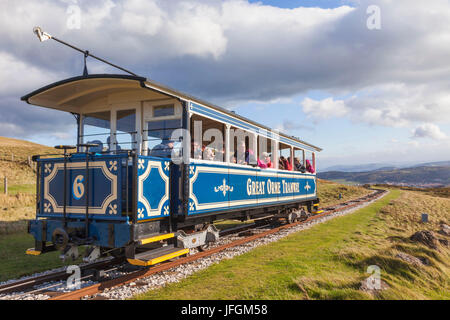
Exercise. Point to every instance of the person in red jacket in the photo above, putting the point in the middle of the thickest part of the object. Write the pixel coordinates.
(309, 167)
(286, 164)
(264, 161)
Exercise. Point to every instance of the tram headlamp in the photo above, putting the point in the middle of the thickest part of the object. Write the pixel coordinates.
(43, 36)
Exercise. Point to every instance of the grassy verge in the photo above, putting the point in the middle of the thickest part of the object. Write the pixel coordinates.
(328, 261)
(328, 192)
(29, 188)
(15, 210)
(15, 263)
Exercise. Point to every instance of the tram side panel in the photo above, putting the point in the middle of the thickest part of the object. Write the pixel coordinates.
(209, 188)
(212, 190)
(153, 188)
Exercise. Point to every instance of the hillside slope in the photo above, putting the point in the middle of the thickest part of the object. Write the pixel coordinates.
(16, 169)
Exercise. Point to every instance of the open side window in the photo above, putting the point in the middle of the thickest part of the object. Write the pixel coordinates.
(207, 139)
(161, 122)
(125, 133)
(96, 129)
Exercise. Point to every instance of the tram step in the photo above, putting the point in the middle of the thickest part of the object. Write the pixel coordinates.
(318, 211)
(33, 252)
(155, 256)
(156, 238)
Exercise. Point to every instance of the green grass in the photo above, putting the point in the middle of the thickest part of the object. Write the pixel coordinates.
(19, 188)
(15, 263)
(327, 261)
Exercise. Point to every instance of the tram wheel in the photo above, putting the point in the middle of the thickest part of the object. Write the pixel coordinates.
(203, 247)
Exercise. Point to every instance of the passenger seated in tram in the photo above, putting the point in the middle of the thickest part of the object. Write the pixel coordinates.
(98, 148)
(298, 166)
(245, 156)
(208, 154)
(290, 167)
(264, 161)
(196, 150)
(309, 167)
(286, 164)
(219, 155)
(109, 145)
(281, 164)
(164, 149)
(233, 159)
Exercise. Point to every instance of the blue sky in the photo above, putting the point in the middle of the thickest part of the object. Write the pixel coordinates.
(313, 69)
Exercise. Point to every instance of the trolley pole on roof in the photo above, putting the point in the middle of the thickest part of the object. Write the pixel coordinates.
(44, 36)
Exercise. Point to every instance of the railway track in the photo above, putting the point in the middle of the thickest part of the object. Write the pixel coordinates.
(27, 286)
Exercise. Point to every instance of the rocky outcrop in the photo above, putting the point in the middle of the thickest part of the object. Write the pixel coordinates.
(426, 237)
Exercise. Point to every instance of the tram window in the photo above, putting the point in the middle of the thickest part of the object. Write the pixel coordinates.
(163, 111)
(159, 138)
(299, 160)
(126, 129)
(310, 162)
(243, 147)
(208, 139)
(284, 159)
(97, 130)
(266, 150)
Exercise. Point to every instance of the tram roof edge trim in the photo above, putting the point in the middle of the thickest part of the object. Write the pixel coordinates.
(152, 85)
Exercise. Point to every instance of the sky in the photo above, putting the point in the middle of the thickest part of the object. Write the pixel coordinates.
(367, 81)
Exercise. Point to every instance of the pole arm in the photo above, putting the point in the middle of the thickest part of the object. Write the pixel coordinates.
(43, 36)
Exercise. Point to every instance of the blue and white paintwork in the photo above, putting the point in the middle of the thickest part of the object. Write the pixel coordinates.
(106, 174)
(216, 187)
(153, 188)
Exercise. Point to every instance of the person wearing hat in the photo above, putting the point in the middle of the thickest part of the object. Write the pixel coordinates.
(264, 161)
(164, 149)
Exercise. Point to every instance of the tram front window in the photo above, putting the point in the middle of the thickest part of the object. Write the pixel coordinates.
(126, 130)
(160, 142)
(97, 130)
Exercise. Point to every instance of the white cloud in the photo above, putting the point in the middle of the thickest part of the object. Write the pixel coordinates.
(326, 108)
(390, 104)
(238, 51)
(17, 76)
(429, 130)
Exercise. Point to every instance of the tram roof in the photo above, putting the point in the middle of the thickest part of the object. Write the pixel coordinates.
(69, 94)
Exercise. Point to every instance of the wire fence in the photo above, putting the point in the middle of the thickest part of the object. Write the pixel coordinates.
(16, 159)
(19, 159)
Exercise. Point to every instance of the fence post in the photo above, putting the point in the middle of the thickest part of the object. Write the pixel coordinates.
(6, 185)
(29, 162)
(12, 157)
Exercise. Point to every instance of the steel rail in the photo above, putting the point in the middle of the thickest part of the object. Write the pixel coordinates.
(18, 286)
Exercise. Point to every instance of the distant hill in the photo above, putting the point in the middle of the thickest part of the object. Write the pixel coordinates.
(383, 166)
(358, 167)
(21, 149)
(421, 176)
(18, 171)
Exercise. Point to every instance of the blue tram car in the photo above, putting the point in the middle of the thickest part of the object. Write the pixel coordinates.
(153, 168)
